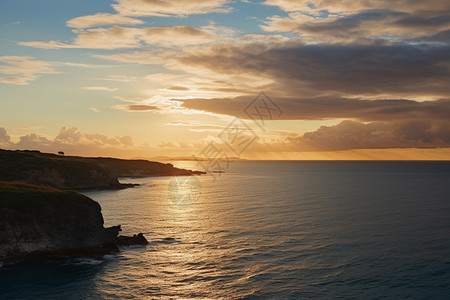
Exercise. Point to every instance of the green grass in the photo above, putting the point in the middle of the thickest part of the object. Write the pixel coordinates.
(26, 197)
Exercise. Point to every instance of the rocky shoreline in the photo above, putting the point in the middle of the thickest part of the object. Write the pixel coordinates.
(46, 222)
(41, 214)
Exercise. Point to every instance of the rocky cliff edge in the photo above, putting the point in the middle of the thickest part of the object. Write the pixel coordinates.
(39, 221)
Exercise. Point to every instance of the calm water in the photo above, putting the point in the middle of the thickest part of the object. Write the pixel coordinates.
(280, 230)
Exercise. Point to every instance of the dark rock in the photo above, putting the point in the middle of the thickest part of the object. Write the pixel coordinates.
(42, 221)
(136, 239)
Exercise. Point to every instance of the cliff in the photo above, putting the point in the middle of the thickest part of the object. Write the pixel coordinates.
(80, 173)
(45, 221)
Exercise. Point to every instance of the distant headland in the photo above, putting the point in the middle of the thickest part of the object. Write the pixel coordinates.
(79, 173)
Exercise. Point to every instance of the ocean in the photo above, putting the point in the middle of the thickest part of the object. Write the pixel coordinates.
(265, 230)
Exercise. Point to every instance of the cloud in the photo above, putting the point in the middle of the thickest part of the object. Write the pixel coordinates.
(120, 78)
(102, 19)
(69, 135)
(21, 70)
(199, 126)
(362, 27)
(352, 6)
(352, 135)
(372, 21)
(138, 57)
(169, 8)
(77, 65)
(325, 108)
(178, 88)
(126, 140)
(72, 135)
(190, 81)
(135, 107)
(346, 135)
(74, 142)
(30, 127)
(103, 140)
(94, 109)
(292, 69)
(299, 69)
(176, 35)
(117, 37)
(45, 45)
(5, 139)
(355, 135)
(71, 138)
(17, 80)
(370, 124)
(33, 141)
(98, 38)
(100, 88)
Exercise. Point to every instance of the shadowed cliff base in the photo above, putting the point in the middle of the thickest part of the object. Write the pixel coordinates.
(43, 221)
(79, 173)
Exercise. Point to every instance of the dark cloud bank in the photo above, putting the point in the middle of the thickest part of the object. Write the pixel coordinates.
(410, 70)
(370, 86)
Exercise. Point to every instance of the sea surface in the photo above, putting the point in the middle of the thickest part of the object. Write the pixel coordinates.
(265, 230)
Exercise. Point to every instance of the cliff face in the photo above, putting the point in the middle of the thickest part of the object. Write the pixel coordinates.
(72, 172)
(39, 214)
(39, 220)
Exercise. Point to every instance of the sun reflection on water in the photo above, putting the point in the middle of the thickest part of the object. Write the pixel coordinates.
(184, 190)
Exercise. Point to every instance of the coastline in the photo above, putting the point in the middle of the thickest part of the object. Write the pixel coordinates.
(79, 173)
(42, 213)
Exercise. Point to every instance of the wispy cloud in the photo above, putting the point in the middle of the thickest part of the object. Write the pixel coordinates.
(120, 78)
(135, 107)
(102, 19)
(313, 70)
(117, 37)
(21, 70)
(76, 65)
(314, 7)
(36, 127)
(169, 7)
(322, 21)
(66, 137)
(349, 135)
(5, 138)
(100, 88)
(326, 108)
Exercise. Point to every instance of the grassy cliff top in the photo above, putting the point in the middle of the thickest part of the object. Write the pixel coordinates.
(29, 197)
(16, 165)
(18, 185)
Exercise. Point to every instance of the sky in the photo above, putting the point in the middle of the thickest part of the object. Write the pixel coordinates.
(269, 79)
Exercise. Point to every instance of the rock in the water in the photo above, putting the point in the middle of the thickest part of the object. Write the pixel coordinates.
(169, 240)
(136, 239)
(45, 221)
